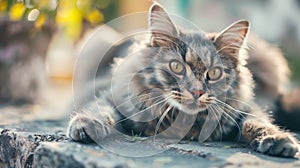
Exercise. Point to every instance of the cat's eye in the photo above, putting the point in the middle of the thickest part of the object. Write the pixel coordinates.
(176, 66)
(214, 73)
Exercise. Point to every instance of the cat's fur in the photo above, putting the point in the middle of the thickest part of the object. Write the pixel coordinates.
(193, 92)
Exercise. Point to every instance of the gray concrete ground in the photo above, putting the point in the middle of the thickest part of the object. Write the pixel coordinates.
(34, 136)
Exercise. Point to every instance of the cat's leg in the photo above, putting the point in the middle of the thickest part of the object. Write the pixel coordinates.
(93, 122)
(266, 138)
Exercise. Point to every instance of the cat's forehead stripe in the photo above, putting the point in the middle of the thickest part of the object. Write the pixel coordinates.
(203, 55)
(189, 56)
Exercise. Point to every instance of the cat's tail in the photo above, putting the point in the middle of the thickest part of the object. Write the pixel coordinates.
(287, 112)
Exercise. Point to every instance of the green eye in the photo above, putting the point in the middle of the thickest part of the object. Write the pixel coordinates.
(176, 67)
(214, 73)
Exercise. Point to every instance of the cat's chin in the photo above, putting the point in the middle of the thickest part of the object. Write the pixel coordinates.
(191, 108)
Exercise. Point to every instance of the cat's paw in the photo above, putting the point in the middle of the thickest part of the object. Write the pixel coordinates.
(85, 129)
(282, 145)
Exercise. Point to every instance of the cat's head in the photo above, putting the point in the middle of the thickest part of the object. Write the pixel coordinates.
(194, 69)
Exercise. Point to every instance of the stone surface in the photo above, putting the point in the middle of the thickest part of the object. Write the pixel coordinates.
(35, 137)
(18, 142)
(44, 144)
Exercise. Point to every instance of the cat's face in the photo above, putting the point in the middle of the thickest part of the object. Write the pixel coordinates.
(194, 69)
(189, 82)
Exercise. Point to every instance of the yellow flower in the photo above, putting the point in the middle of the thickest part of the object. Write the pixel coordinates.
(95, 17)
(43, 3)
(3, 6)
(40, 21)
(69, 17)
(83, 5)
(16, 11)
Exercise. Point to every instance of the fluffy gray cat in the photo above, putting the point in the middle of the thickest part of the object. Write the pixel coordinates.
(183, 77)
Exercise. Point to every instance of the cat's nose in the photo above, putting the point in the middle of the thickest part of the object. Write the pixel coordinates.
(197, 93)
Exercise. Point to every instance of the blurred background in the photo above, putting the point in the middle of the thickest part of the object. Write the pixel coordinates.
(40, 39)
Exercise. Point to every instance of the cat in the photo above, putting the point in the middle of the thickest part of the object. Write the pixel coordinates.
(183, 77)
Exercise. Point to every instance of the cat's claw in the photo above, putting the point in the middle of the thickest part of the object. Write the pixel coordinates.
(276, 145)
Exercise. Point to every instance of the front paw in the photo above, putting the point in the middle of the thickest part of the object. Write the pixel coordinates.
(85, 129)
(282, 145)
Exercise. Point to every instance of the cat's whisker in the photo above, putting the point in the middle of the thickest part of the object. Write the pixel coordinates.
(232, 108)
(135, 114)
(239, 101)
(231, 118)
(180, 97)
(131, 99)
(160, 97)
(213, 111)
(139, 97)
(236, 114)
(160, 121)
(175, 92)
(234, 121)
(172, 115)
(164, 105)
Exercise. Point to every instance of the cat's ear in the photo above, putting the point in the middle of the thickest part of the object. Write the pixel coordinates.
(231, 39)
(162, 28)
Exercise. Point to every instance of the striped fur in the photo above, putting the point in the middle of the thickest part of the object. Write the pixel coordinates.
(148, 97)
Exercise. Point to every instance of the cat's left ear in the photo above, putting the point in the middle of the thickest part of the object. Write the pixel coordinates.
(162, 29)
(231, 39)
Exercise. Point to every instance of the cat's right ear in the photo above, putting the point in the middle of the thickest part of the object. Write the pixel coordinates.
(162, 29)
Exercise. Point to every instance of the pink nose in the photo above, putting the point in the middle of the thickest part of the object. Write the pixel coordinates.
(197, 93)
